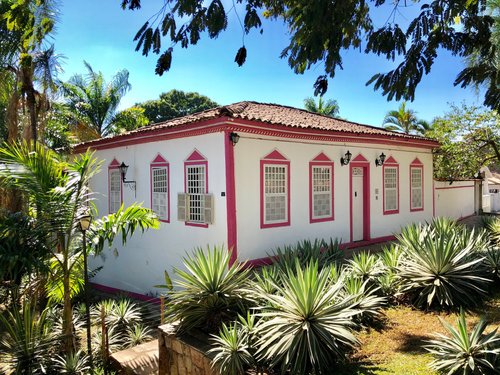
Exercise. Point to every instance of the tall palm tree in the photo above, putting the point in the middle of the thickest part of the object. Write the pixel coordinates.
(328, 108)
(25, 27)
(404, 120)
(93, 101)
(58, 196)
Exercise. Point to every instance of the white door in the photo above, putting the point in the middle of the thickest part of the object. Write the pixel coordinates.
(357, 203)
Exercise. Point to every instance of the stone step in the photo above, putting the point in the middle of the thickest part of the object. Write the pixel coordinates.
(139, 360)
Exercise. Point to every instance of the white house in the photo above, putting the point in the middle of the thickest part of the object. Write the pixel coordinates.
(252, 177)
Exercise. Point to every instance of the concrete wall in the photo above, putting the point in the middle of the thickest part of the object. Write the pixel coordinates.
(454, 200)
(254, 242)
(140, 264)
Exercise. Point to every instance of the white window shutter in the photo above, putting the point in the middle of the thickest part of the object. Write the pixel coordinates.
(209, 208)
(182, 206)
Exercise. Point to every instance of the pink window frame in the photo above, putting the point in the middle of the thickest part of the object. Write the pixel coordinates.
(390, 163)
(321, 161)
(115, 164)
(195, 158)
(273, 158)
(160, 162)
(417, 164)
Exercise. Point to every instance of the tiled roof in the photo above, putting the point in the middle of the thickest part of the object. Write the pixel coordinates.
(277, 115)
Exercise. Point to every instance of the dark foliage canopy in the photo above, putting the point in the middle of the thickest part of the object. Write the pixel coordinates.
(175, 103)
(321, 29)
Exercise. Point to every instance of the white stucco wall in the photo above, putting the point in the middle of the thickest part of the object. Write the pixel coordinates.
(455, 200)
(254, 242)
(141, 263)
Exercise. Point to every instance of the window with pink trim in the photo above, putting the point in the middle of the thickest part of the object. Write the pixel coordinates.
(321, 189)
(196, 189)
(391, 186)
(160, 191)
(114, 187)
(275, 190)
(416, 186)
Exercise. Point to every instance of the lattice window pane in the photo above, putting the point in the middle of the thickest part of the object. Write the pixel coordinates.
(160, 191)
(115, 190)
(322, 191)
(390, 188)
(196, 188)
(276, 193)
(416, 188)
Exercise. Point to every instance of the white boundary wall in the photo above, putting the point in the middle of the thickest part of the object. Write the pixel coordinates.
(455, 200)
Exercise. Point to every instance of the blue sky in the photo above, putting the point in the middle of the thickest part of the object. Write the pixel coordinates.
(101, 33)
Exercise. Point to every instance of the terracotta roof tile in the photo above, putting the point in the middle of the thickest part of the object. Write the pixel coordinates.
(277, 115)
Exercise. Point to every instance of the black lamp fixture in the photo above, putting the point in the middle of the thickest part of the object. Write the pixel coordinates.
(234, 138)
(380, 160)
(123, 171)
(344, 160)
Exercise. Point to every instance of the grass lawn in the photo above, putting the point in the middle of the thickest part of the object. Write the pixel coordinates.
(396, 348)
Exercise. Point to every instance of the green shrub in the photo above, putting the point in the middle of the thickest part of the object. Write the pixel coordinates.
(306, 326)
(440, 265)
(463, 352)
(210, 292)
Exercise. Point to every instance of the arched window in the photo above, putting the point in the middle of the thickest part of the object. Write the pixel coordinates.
(416, 185)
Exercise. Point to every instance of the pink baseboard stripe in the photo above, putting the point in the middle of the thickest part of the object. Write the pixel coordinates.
(138, 296)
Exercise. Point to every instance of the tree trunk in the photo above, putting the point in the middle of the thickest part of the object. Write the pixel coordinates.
(29, 90)
(12, 199)
(69, 339)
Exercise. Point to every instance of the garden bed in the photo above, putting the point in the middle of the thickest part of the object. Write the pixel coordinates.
(397, 346)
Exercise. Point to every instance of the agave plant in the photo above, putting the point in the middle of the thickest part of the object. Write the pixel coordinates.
(265, 280)
(368, 303)
(114, 342)
(306, 327)
(492, 262)
(466, 353)
(124, 313)
(325, 253)
(231, 350)
(71, 364)
(389, 284)
(210, 292)
(492, 227)
(390, 257)
(138, 334)
(440, 265)
(26, 341)
(365, 266)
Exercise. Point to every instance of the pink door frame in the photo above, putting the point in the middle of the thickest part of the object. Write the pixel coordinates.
(362, 162)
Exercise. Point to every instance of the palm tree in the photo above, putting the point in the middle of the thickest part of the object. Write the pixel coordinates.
(25, 28)
(93, 102)
(328, 108)
(404, 120)
(58, 196)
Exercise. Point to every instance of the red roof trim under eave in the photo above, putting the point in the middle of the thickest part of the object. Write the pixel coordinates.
(253, 127)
